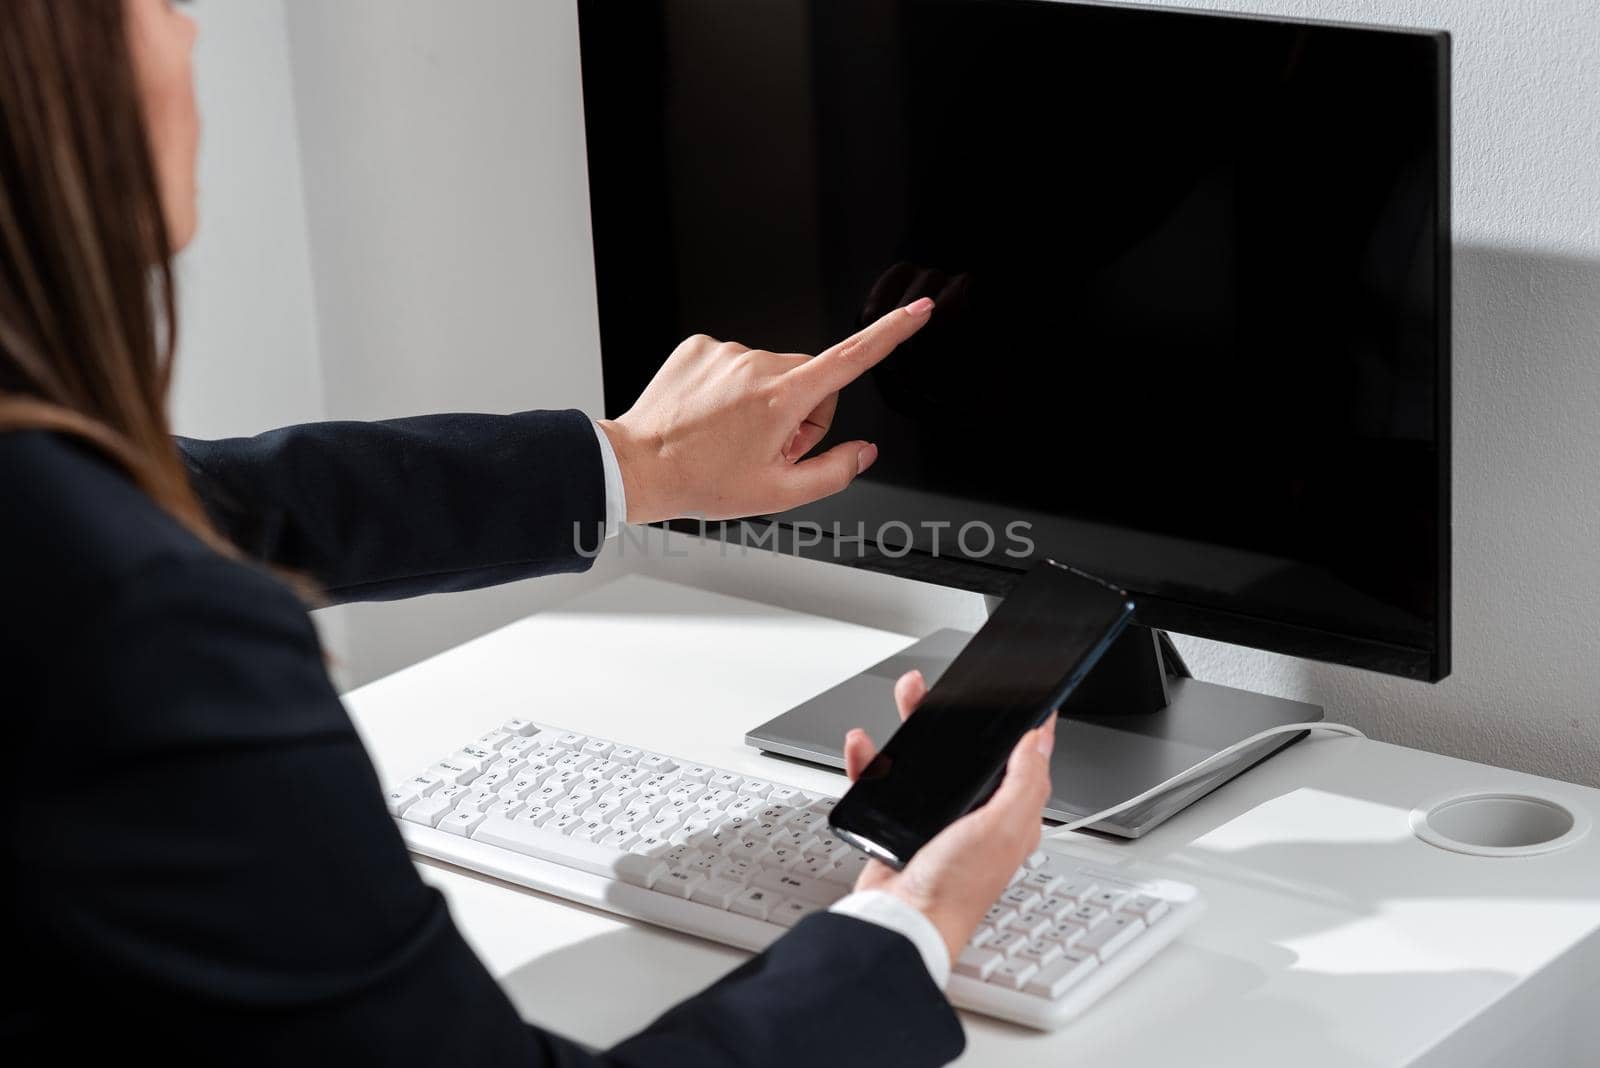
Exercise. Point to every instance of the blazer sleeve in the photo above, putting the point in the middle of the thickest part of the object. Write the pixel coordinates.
(383, 510)
(219, 870)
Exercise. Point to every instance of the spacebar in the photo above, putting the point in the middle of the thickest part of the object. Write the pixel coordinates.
(525, 838)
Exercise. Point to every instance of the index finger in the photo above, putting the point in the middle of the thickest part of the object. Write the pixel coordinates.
(832, 369)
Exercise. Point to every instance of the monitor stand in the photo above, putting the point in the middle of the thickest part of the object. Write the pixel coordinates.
(1137, 720)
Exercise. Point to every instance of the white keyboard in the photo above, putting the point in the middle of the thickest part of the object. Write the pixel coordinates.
(738, 860)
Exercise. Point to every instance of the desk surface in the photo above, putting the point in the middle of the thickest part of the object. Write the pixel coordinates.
(1334, 937)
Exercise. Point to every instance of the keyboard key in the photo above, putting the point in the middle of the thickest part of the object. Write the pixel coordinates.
(655, 786)
(1147, 908)
(679, 882)
(626, 754)
(494, 740)
(618, 838)
(1056, 979)
(602, 769)
(589, 831)
(503, 808)
(696, 773)
(1042, 952)
(755, 787)
(650, 845)
(1087, 916)
(657, 763)
(453, 773)
(478, 762)
(727, 780)
(738, 871)
(569, 740)
(1030, 923)
(1021, 898)
(815, 822)
(399, 799)
(563, 821)
(1109, 900)
(812, 866)
(1043, 881)
(536, 814)
(495, 780)
(630, 777)
(791, 912)
(744, 805)
(791, 885)
(517, 789)
(1007, 942)
(428, 811)
(1078, 890)
(999, 916)
(478, 800)
(717, 892)
(597, 747)
(1114, 934)
(1013, 973)
(755, 901)
(847, 870)
(714, 799)
(1056, 907)
(461, 821)
(788, 795)
(978, 963)
(1036, 859)
(520, 727)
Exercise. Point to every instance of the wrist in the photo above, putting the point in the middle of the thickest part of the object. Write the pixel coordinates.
(636, 460)
(952, 930)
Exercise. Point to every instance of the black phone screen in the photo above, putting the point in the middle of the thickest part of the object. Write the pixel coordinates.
(949, 756)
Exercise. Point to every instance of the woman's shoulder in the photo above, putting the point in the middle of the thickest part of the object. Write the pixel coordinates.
(76, 533)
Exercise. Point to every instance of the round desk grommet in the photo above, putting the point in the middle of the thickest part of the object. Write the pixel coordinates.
(1500, 824)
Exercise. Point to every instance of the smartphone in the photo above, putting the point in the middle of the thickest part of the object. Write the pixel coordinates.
(951, 754)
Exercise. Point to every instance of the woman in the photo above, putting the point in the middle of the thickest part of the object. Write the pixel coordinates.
(197, 861)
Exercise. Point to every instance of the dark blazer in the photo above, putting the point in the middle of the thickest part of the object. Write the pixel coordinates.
(196, 863)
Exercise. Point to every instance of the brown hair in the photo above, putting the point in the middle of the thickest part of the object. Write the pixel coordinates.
(87, 311)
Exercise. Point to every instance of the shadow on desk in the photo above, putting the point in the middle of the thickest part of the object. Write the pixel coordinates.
(615, 983)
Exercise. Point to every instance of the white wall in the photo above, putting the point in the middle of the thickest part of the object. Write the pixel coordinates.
(247, 356)
(448, 208)
(444, 168)
(247, 353)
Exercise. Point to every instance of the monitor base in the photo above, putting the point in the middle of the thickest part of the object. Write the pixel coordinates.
(1099, 761)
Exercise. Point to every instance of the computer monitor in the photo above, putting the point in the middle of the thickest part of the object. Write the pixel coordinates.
(1192, 335)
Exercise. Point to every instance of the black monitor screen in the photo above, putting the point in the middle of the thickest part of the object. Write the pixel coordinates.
(1191, 273)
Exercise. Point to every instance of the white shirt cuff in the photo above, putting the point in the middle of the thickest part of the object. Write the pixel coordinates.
(616, 496)
(886, 910)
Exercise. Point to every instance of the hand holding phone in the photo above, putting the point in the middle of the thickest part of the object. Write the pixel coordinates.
(956, 877)
(1043, 639)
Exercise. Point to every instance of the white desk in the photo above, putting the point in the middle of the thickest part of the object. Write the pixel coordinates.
(1333, 938)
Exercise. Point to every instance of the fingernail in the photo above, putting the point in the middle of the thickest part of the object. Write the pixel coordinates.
(1046, 741)
(920, 307)
(920, 677)
(866, 457)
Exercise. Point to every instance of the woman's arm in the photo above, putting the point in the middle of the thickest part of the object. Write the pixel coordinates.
(377, 511)
(374, 511)
(214, 870)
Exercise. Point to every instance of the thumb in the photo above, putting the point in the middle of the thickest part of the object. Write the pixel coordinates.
(827, 474)
(1026, 786)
